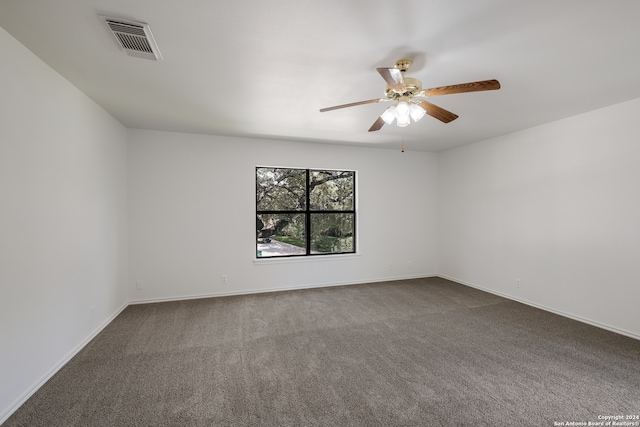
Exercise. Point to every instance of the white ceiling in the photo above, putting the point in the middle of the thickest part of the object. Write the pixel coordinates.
(263, 68)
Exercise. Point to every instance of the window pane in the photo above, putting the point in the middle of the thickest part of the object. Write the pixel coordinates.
(280, 189)
(332, 232)
(331, 190)
(280, 235)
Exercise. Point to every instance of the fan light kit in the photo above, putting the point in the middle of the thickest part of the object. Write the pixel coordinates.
(408, 96)
(401, 113)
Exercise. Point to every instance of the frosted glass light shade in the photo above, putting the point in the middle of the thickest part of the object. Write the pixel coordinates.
(403, 121)
(402, 109)
(402, 114)
(389, 114)
(416, 112)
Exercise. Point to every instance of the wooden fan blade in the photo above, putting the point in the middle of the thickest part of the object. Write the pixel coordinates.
(461, 88)
(377, 125)
(437, 112)
(393, 77)
(353, 104)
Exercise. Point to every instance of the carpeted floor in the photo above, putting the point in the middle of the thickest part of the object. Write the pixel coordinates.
(423, 352)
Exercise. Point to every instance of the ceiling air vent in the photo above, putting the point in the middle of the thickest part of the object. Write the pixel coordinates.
(134, 38)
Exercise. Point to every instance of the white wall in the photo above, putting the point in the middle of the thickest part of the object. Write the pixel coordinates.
(62, 221)
(557, 207)
(192, 215)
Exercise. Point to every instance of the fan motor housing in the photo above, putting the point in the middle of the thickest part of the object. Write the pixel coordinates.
(412, 87)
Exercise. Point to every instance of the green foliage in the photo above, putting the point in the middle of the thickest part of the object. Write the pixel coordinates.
(291, 240)
(280, 189)
(284, 189)
(331, 190)
(272, 225)
(327, 244)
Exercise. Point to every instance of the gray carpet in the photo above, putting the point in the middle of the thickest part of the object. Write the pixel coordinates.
(425, 352)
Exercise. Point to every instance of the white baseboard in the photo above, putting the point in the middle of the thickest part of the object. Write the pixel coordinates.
(277, 289)
(35, 387)
(549, 309)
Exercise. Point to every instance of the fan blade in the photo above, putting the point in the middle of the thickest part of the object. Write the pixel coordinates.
(353, 104)
(437, 112)
(377, 125)
(461, 88)
(393, 77)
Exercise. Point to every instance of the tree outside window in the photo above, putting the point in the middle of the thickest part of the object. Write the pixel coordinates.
(301, 212)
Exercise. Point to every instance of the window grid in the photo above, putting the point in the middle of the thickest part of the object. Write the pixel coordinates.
(309, 213)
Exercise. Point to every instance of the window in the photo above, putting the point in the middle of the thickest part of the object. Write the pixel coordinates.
(302, 212)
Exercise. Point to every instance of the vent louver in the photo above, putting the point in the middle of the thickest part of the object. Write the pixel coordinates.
(134, 38)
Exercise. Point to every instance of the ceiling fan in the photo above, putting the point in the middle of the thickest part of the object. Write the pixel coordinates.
(408, 95)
